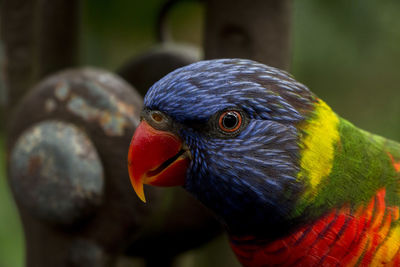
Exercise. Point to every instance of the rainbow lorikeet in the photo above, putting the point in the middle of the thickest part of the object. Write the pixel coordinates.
(293, 183)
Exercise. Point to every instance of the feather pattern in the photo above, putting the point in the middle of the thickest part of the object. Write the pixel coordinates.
(297, 185)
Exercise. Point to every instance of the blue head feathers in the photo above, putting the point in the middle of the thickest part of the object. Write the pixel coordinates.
(238, 175)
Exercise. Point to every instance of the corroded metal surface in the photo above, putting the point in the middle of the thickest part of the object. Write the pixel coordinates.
(86, 96)
(110, 114)
(68, 143)
(56, 173)
(68, 128)
(96, 103)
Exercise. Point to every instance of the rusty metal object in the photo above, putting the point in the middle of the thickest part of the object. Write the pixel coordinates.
(258, 29)
(105, 109)
(56, 173)
(63, 130)
(84, 96)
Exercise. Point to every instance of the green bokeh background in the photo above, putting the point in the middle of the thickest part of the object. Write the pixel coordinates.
(347, 52)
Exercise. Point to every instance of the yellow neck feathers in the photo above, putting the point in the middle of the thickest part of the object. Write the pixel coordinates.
(319, 137)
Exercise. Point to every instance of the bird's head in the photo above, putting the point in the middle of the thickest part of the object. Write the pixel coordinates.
(227, 131)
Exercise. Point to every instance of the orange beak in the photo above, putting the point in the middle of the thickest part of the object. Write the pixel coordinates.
(156, 158)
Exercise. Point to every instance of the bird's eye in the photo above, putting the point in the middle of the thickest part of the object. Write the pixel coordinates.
(157, 117)
(230, 121)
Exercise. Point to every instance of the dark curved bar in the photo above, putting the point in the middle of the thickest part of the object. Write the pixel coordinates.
(257, 29)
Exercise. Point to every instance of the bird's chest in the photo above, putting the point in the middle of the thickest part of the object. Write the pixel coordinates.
(368, 236)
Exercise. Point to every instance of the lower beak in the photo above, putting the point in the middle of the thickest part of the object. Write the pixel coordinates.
(156, 158)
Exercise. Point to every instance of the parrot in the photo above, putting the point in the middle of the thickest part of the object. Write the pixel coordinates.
(292, 182)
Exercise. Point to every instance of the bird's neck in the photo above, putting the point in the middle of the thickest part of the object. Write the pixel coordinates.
(343, 164)
(368, 235)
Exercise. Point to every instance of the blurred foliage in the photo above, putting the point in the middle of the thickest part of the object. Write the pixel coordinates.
(347, 53)
(11, 237)
(344, 51)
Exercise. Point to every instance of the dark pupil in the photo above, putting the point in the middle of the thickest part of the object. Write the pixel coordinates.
(230, 120)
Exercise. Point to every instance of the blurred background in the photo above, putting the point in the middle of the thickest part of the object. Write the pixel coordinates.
(347, 52)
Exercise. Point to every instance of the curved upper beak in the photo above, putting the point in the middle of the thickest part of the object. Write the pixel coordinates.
(157, 158)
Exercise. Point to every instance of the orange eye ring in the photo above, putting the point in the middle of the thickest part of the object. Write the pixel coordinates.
(230, 121)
